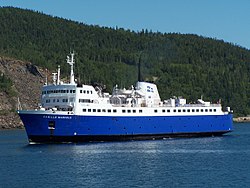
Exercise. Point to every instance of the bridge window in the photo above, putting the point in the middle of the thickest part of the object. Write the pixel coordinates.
(109, 111)
(89, 110)
(140, 111)
(123, 111)
(84, 110)
(168, 111)
(114, 110)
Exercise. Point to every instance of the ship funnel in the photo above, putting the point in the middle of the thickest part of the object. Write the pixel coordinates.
(139, 70)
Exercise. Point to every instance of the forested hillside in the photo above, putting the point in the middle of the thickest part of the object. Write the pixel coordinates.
(181, 64)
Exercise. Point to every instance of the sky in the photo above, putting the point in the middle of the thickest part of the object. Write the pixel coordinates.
(227, 20)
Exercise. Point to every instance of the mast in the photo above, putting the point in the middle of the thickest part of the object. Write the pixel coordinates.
(46, 77)
(54, 77)
(70, 61)
(58, 75)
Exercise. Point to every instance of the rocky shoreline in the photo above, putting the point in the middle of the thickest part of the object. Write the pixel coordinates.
(27, 80)
(242, 119)
(11, 121)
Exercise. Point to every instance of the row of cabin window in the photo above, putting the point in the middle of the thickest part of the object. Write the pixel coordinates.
(140, 111)
(58, 91)
(85, 101)
(196, 110)
(109, 110)
(57, 100)
(86, 91)
(99, 110)
(189, 110)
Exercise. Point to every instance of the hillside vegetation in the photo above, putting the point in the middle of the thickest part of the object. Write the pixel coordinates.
(180, 64)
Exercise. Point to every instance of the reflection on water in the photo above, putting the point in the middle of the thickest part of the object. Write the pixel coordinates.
(217, 161)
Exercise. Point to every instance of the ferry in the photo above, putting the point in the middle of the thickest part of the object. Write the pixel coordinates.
(70, 112)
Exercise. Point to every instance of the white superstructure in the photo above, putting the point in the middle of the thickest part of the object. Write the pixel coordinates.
(142, 99)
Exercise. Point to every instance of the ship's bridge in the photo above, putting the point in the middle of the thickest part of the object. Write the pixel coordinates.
(67, 96)
(61, 97)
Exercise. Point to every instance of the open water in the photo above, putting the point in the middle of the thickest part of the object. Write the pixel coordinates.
(194, 162)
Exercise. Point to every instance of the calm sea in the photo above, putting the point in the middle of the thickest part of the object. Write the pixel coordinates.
(195, 162)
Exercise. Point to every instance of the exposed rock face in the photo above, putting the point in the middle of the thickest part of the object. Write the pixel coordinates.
(27, 82)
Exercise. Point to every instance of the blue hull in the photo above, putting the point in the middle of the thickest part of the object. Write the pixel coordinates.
(73, 128)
